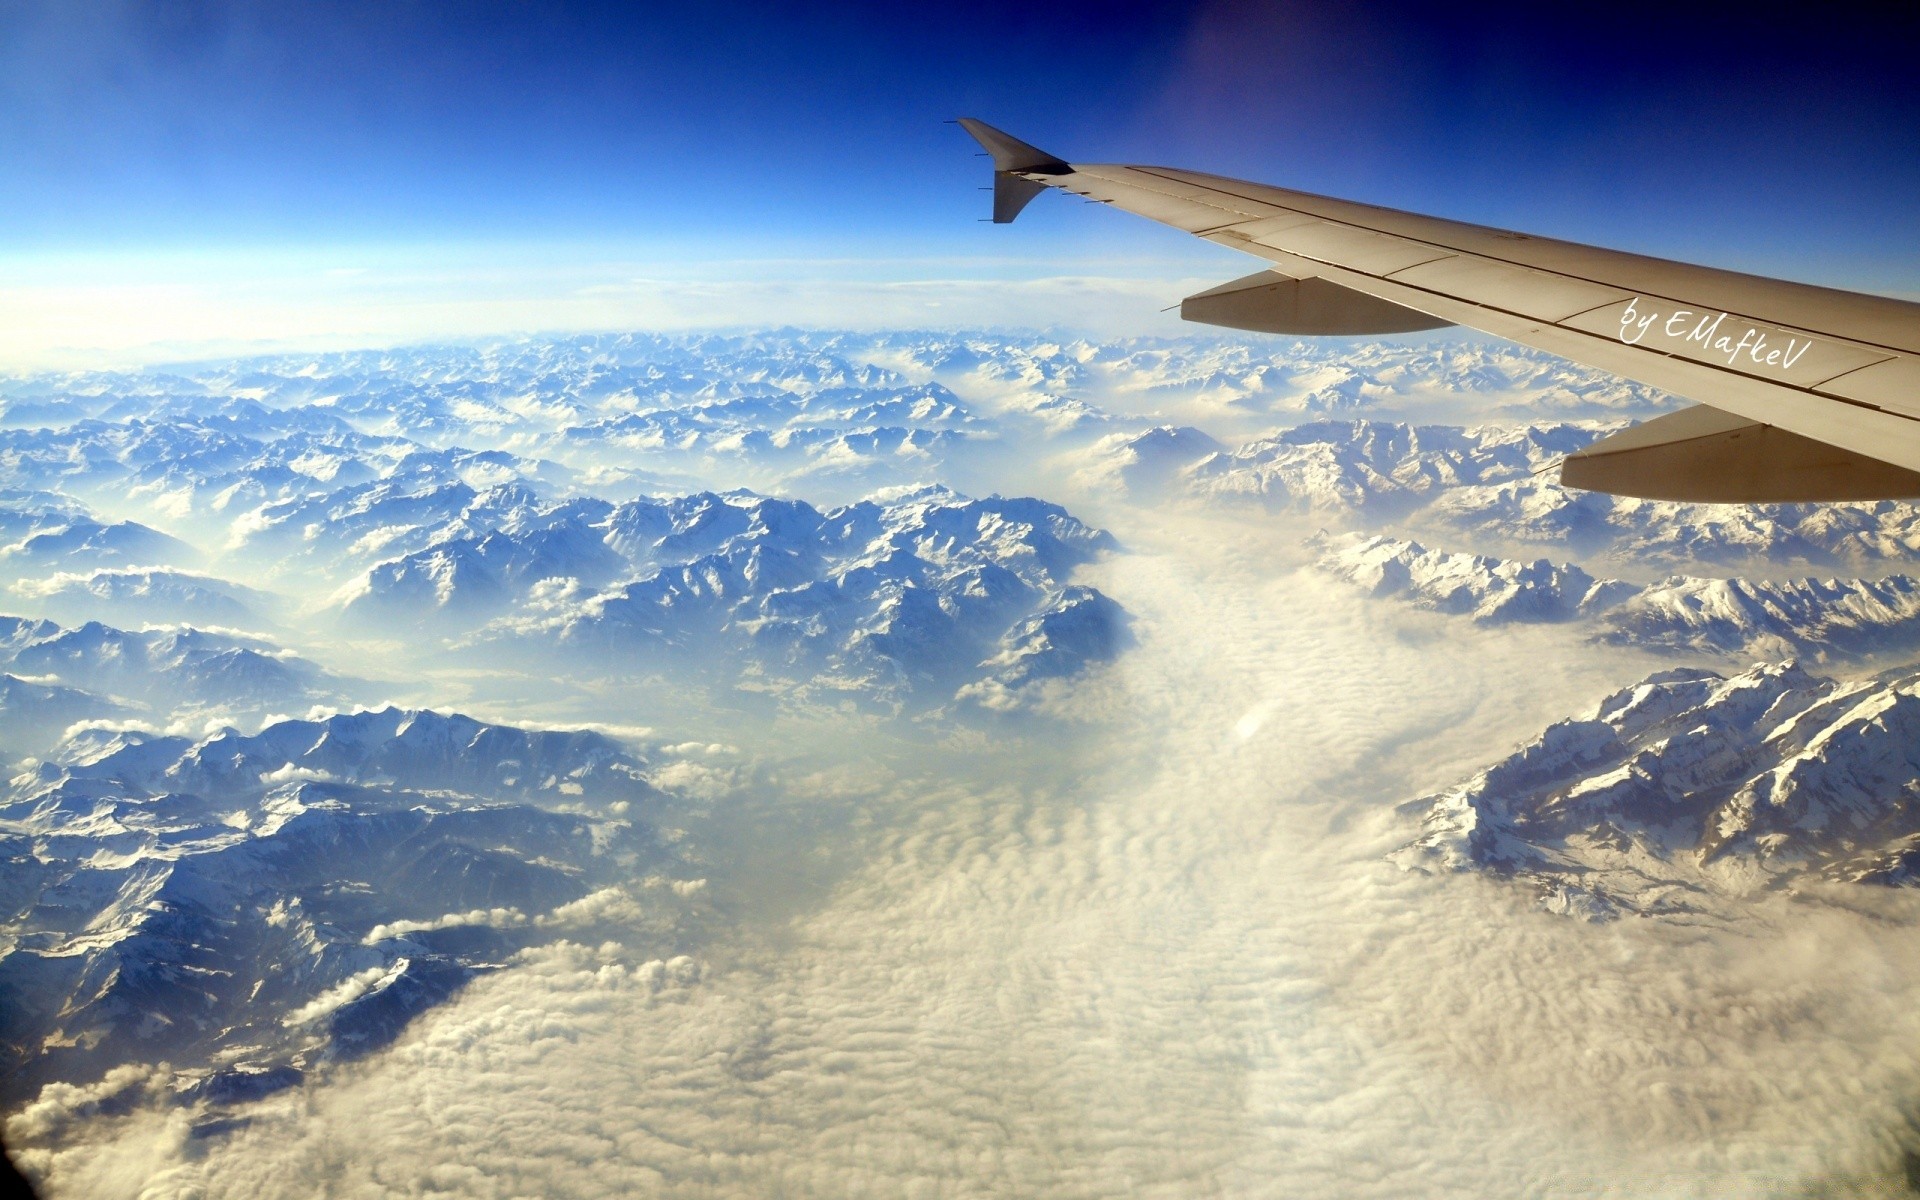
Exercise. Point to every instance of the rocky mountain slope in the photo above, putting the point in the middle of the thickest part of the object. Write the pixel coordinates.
(237, 905)
(1734, 617)
(1691, 788)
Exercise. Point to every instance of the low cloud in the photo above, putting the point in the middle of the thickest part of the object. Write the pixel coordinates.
(346, 991)
(1161, 958)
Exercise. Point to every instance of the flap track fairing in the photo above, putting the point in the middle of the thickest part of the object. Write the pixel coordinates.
(1707, 456)
(1270, 302)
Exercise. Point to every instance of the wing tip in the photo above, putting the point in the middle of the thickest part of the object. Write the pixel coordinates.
(1009, 152)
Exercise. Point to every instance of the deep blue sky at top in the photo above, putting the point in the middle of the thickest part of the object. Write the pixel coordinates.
(1771, 139)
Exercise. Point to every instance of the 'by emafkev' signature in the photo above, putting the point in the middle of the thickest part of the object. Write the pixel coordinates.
(1706, 332)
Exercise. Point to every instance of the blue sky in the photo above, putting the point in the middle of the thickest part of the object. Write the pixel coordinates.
(495, 149)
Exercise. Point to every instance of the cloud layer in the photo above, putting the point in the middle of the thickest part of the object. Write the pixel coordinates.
(1162, 960)
(1136, 936)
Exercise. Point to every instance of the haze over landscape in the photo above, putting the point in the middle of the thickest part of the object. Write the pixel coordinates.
(572, 624)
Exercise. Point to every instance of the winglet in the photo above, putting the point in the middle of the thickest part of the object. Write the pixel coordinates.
(1012, 160)
(1012, 154)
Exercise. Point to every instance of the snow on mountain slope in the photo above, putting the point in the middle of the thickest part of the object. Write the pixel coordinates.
(672, 391)
(1374, 466)
(477, 574)
(1691, 788)
(1760, 618)
(25, 512)
(894, 599)
(1487, 486)
(1490, 590)
(1679, 535)
(144, 594)
(1740, 617)
(336, 532)
(355, 449)
(180, 458)
(1058, 642)
(418, 750)
(1145, 464)
(222, 479)
(1227, 374)
(561, 524)
(168, 669)
(35, 715)
(276, 900)
(80, 542)
(882, 435)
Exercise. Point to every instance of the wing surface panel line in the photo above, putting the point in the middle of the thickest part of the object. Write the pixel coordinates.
(1808, 389)
(1650, 293)
(1764, 411)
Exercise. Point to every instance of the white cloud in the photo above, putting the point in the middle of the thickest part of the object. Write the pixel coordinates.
(1153, 949)
(1161, 958)
(604, 906)
(293, 773)
(492, 918)
(60, 1104)
(345, 992)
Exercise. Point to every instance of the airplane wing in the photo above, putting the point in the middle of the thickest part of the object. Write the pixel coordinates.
(1806, 393)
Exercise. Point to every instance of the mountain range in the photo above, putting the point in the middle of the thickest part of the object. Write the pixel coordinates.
(246, 907)
(1735, 617)
(1693, 788)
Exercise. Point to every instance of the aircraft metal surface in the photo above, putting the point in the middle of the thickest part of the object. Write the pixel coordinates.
(1806, 393)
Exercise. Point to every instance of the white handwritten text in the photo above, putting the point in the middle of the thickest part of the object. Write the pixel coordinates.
(1706, 333)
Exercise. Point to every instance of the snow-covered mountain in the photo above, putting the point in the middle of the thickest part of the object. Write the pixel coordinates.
(35, 715)
(693, 393)
(896, 600)
(909, 594)
(1674, 535)
(1753, 618)
(166, 670)
(240, 904)
(1739, 617)
(1692, 787)
(1490, 590)
(429, 491)
(146, 594)
(474, 572)
(179, 459)
(1146, 464)
(80, 542)
(773, 539)
(235, 437)
(1375, 466)
(1302, 377)
(1488, 487)
(332, 533)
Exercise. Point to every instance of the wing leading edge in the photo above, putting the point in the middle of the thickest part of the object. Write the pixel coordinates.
(1808, 393)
